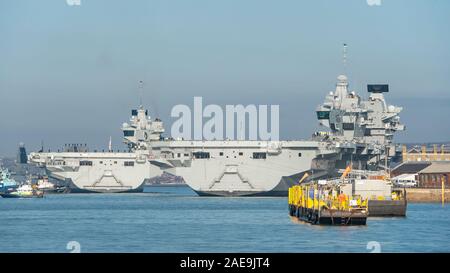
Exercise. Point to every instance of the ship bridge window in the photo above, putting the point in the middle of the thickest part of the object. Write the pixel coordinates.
(323, 114)
(128, 163)
(201, 155)
(258, 155)
(85, 163)
(128, 133)
(348, 126)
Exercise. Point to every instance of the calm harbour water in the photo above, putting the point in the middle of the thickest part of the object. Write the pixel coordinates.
(174, 219)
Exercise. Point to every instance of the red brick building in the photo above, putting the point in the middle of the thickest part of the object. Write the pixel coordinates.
(431, 176)
(410, 167)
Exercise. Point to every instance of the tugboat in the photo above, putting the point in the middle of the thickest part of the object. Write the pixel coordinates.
(24, 191)
(43, 184)
(46, 186)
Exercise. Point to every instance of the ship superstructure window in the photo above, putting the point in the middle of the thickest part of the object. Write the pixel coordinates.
(85, 163)
(221, 153)
(201, 155)
(186, 154)
(323, 114)
(59, 162)
(258, 155)
(178, 154)
(299, 154)
(348, 126)
(128, 163)
(128, 133)
(241, 153)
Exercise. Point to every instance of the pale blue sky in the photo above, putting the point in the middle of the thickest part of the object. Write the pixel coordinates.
(70, 73)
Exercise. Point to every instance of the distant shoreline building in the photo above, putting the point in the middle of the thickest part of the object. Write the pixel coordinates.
(425, 154)
(22, 157)
(428, 166)
(432, 176)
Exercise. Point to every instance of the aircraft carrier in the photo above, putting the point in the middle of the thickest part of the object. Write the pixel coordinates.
(359, 132)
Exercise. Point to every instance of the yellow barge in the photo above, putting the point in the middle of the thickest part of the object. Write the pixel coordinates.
(326, 205)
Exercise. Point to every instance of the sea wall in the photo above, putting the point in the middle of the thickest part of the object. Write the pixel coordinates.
(422, 195)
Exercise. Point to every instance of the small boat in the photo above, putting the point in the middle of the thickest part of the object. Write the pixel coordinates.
(46, 186)
(377, 187)
(6, 182)
(24, 191)
(43, 184)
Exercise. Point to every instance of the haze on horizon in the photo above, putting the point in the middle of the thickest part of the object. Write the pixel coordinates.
(69, 74)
